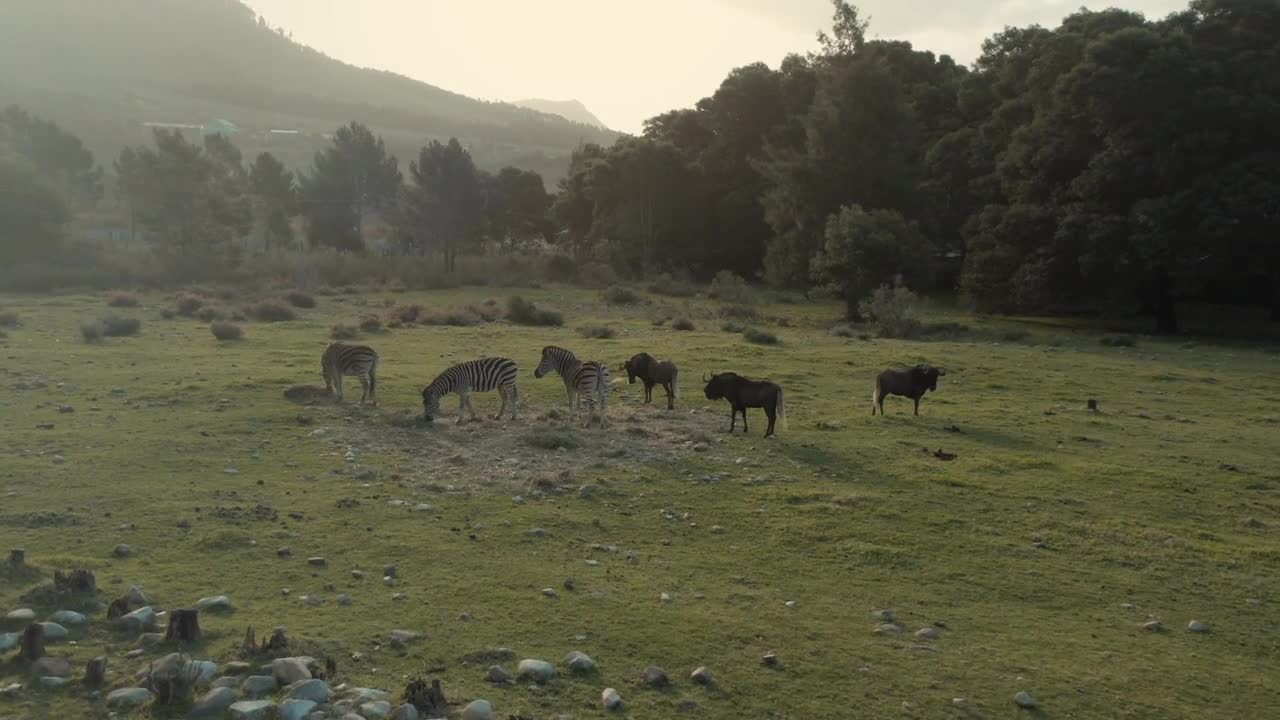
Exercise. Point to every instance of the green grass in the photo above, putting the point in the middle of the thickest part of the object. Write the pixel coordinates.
(841, 513)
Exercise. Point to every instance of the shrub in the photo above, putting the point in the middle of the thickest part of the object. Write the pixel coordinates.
(731, 326)
(124, 300)
(168, 313)
(844, 331)
(561, 269)
(619, 295)
(226, 330)
(891, 311)
(597, 274)
(116, 326)
(299, 299)
(209, 313)
(552, 439)
(1119, 341)
(599, 332)
(728, 287)
(667, 285)
(187, 305)
(683, 323)
(91, 331)
(343, 332)
(371, 323)
(760, 337)
(271, 311)
(404, 313)
(524, 312)
(453, 316)
(739, 312)
(8, 319)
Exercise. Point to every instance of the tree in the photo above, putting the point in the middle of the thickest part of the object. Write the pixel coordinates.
(863, 249)
(347, 181)
(515, 205)
(443, 210)
(274, 198)
(58, 156)
(574, 208)
(848, 31)
(32, 214)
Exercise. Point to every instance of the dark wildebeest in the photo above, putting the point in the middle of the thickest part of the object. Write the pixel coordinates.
(912, 383)
(653, 372)
(742, 394)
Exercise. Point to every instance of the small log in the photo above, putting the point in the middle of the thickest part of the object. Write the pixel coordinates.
(184, 626)
(95, 673)
(1093, 404)
(33, 642)
(17, 558)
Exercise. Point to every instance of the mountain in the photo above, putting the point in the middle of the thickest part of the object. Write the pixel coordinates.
(572, 110)
(105, 69)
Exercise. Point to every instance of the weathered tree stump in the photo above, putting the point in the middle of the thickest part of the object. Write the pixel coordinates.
(95, 673)
(429, 701)
(118, 608)
(17, 558)
(249, 647)
(184, 626)
(33, 642)
(79, 582)
(1093, 404)
(279, 642)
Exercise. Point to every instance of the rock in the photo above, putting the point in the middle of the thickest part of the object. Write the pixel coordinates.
(203, 670)
(236, 668)
(294, 709)
(570, 585)
(888, 629)
(256, 686)
(317, 561)
(10, 690)
(344, 599)
(550, 592)
(312, 600)
(316, 691)
(128, 698)
(405, 712)
(51, 667)
(1152, 626)
(51, 683)
(252, 709)
(478, 710)
(539, 671)
(655, 677)
(1197, 626)
(214, 703)
(357, 574)
(959, 702)
(498, 675)
(290, 670)
(927, 633)
(423, 507)
(1024, 700)
(611, 699)
(770, 659)
(226, 681)
(144, 618)
(389, 570)
(122, 551)
(68, 617)
(379, 710)
(884, 616)
(702, 676)
(150, 639)
(284, 552)
(587, 491)
(537, 532)
(664, 597)
(21, 616)
(9, 641)
(790, 604)
(701, 447)
(217, 602)
(366, 695)
(403, 637)
(136, 598)
(54, 632)
(579, 662)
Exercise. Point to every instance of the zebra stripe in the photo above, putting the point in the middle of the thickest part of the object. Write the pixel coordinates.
(588, 380)
(483, 375)
(359, 360)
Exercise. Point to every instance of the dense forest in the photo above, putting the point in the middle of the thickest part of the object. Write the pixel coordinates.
(1114, 161)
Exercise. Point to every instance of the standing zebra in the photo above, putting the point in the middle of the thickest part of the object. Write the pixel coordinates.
(472, 376)
(588, 379)
(359, 360)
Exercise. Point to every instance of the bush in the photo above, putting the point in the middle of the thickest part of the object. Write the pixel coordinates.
(299, 299)
(124, 300)
(187, 305)
(371, 323)
(844, 331)
(619, 295)
(271, 311)
(8, 319)
(116, 326)
(598, 332)
(597, 274)
(168, 313)
(667, 285)
(404, 313)
(226, 331)
(1119, 341)
(728, 287)
(344, 332)
(524, 312)
(453, 317)
(91, 331)
(730, 326)
(891, 311)
(683, 323)
(739, 312)
(209, 313)
(561, 269)
(760, 337)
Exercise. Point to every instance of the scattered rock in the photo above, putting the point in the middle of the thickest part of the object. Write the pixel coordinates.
(388, 571)
(252, 709)
(51, 667)
(128, 698)
(539, 671)
(365, 695)
(611, 699)
(314, 690)
(570, 585)
(550, 592)
(405, 712)
(579, 662)
(403, 637)
(52, 683)
(790, 604)
(344, 599)
(959, 702)
(927, 634)
(702, 676)
(478, 710)
(357, 574)
(889, 629)
(498, 675)
(1152, 626)
(884, 616)
(1024, 700)
(290, 670)
(379, 710)
(144, 618)
(9, 641)
(214, 703)
(664, 597)
(1197, 626)
(701, 447)
(256, 686)
(68, 617)
(770, 659)
(122, 551)
(217, 602)
(317, 561)
(136, 597)
(293, 709)
(54, 632)
(22, 616)
(655, 677)
(284, 552)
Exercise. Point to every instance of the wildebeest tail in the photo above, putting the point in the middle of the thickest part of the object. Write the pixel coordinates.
(782, 410)
(675, 384)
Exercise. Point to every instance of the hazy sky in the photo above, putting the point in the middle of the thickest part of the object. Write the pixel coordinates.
(626, 60)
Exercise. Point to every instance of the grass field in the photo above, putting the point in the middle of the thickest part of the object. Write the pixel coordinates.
(1041, 549)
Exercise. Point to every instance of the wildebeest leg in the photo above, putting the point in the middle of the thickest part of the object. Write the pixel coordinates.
(744, 420)
(733, 418)
(515, 398)
(771, 411)
(917, 401)
(671, 403)
(648, 392)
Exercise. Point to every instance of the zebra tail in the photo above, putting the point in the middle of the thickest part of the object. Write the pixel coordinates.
(373, 377)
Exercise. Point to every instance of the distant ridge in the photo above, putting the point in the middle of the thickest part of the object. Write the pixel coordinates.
(572, 110)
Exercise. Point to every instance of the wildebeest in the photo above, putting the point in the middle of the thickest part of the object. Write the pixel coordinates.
(912, 383)
(743, 393)
(653, 372)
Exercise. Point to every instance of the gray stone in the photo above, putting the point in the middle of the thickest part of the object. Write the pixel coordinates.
(884, 616)
(128, 698)
(136, 597)
(927, 633)
(289, 670)
(550, 592)
(889, 629)
(144, 618)
(403, 637)
(150, 639)
(256, 686)
(68, 617)
(656, 677)
(217, 602)
(214, 703)
(344, 599)
(316, 691)
(54, 632)
(362, 695)
(389, 570)
(122, 551)
(21, 616)
(539, 671)
(252, 709)
(579, 662)
(1152, 626)
(226, 681)
(51, 683)
(1197, 626)
(498, 675)
(51, 667)
(236, 667)
(317, 561)
(702, 676)
(405, 712)
(379, 710)
(478, 710)
(611, 699)
(1024, 700)
(9, 641)
(295, 709)
(204, 671)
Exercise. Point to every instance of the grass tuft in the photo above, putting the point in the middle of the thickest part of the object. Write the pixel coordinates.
(271, 311)
(124, 300)
(525, 312)
(760, 337)
(598, 332)
(300, 299)
(682, 323)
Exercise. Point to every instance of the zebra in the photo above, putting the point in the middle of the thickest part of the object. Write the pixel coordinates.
(465, 378)
(360, 360)
(588, 380)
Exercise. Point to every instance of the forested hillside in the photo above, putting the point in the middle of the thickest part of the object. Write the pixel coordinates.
(104, 69)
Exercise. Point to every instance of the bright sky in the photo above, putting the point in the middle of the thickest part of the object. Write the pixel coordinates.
(626, 60)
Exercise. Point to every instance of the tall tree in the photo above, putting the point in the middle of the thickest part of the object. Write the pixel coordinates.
(348, 180)
(275, 200)
(516, 204)
(57, 155)
(443, 208)
(32, 214)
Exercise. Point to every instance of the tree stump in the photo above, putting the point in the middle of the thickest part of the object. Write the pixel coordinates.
(17, 558)
(184, 626)
(249, 647)
(79, 582)
(95, 673)
(279, 642)
(428, 700)
(1093, 404)
(118, 608)
(33, 642)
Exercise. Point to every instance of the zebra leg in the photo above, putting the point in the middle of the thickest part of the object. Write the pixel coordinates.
(502, 392)
(364, 387)
(515, 398)
(471, 408)
(337, 387)
(604, 409)
(462, 405)
(591, 410)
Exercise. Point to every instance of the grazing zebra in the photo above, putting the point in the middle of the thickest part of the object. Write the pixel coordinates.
(359, 360)
(588, 379)
(472, 376)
